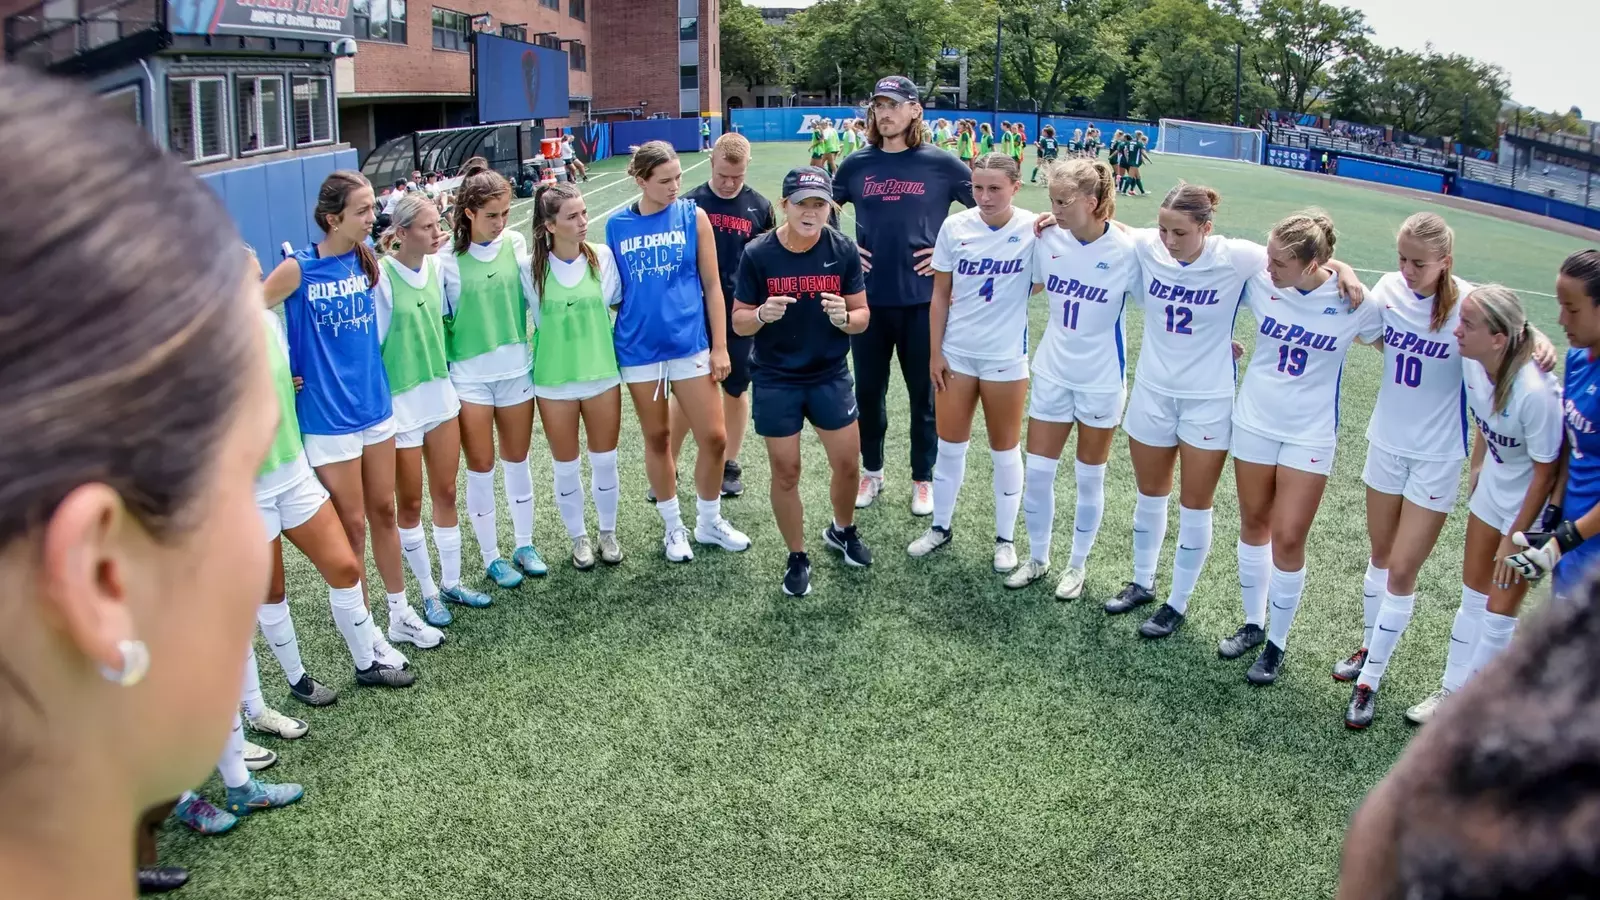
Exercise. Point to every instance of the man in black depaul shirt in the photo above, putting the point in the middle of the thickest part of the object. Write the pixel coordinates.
(902, 189)
(738, 216)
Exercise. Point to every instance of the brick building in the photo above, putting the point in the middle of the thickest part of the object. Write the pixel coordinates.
(625, 58)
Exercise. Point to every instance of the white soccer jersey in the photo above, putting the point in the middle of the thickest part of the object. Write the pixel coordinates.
(991, 274)
(1528, 430)
(1087, 286)
(1422, 404)
(1291, 390)
(1188, 315)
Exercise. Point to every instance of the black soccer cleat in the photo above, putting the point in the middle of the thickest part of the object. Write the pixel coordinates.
(1165, 621)
(1363, 706)
(1132, 595)
(1268, 664)
(848, 543)
(797, 577)
(312, 692)
(1246, 637)
(380, 675)
(732, 478)
(1349, 668)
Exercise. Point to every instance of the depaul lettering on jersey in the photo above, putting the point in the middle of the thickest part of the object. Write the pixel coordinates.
(1073, 289)
(989, 266)
(891, 188)
(1576, 420)
(1415, 343)
(1493, 439)
(1298, 335)
(1177, 293)
(341, 304)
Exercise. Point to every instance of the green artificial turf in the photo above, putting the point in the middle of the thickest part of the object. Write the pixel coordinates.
(911, 730)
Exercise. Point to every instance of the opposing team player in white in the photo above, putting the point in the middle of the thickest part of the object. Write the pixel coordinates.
(978, 332)
(1285, 424)
(1516, 407)
(1086, 269)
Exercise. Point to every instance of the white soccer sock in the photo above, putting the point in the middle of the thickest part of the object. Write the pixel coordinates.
(1255, 568)
(603, 486)
(1464, 638)
(949, 471)
(1284, 593)
(481, 510)
(519, 494)
(1091, 508)
(1039, 504)
(1149, 531)
(1372, 588)
(278, 629)
(448, 540)
(1194, 544)
(1007, 491)
(569, 496)
(231, 766)
(397, 605)
(414, 544)
(671, 517)
(707, 512)
(250, 695)
(352, 619)
(1494, 635)
(1393, 617)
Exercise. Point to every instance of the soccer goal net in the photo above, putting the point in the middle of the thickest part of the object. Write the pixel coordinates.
(1205, 139)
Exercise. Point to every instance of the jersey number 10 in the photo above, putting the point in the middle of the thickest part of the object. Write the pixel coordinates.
(1407, 370)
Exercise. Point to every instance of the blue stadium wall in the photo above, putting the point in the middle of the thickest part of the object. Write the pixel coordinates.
(272, 202)
(789, 123)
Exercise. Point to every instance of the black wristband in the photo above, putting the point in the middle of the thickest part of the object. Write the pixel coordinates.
(1549, 518)
(1567, 536)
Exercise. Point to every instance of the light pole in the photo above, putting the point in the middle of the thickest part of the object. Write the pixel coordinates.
(995, 109)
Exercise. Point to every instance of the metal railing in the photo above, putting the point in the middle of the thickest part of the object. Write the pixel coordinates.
(34, 38)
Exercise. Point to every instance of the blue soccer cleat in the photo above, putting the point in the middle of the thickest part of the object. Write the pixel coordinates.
(254, 796)
(467, 596)
(201, 816)
(527, 559)
(435, 613)
(503, 574)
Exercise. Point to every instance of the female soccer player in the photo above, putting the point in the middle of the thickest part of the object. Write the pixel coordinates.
(978, 325)
(666, 257)
(344, 409)
(1572, 518)
(985, 140)
(1075, 146)
(1048, 150)
(1136, 153)
(410, 309)
(1019, 143)
(801, 293)
(574, 364)
(1086, 269)
(1118, 164)
(1517, 410)
(1285, 424)
(966, 143)
(487, 290)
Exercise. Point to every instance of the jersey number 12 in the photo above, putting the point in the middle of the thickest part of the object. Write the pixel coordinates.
(1178, 319)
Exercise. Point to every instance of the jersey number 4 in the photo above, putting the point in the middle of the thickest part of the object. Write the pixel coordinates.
(987, 290)
(1178, 319)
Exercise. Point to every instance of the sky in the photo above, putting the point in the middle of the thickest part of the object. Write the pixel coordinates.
(1544, 45)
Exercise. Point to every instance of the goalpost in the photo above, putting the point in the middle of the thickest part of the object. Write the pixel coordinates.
(1187, 138)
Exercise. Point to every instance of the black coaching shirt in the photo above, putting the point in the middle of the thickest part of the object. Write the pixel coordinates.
(736, 223)
(900, 201)
(803, 347)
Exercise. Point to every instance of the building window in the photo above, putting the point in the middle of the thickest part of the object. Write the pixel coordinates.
(578, 57)
(514, 32)
(380, 20)
(197, 118)
(125, 103)
(689, 77)
(576, 10)
(451, 30)
(313, 111)
(551, 4)
(548, 41)
(689, 29)
(258, 112)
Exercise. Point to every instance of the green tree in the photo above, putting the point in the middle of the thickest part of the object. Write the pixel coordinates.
(853, 43)
(1428, 93)
(1053, 50)
(749, 45)
(1185, 63)
(1294, 43)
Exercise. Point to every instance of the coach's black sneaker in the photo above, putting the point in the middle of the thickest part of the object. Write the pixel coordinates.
(797, 578)
(380, 675)
(1363, 706)
(732, 478)
(312, 692)
(848, 543)
(1349, 668)
(1133, 594)
(1165, 621)
(1265, 669)
(1246, 637)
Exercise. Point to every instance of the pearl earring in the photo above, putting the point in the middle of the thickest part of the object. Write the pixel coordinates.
(135, 663)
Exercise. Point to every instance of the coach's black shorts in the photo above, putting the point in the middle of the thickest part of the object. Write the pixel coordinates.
(780, 410)
(739, 351)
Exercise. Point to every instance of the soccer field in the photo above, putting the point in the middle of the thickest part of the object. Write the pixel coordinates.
(908, 730)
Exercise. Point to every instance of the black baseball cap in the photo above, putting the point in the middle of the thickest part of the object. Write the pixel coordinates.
(897, 87)
(807, 182)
